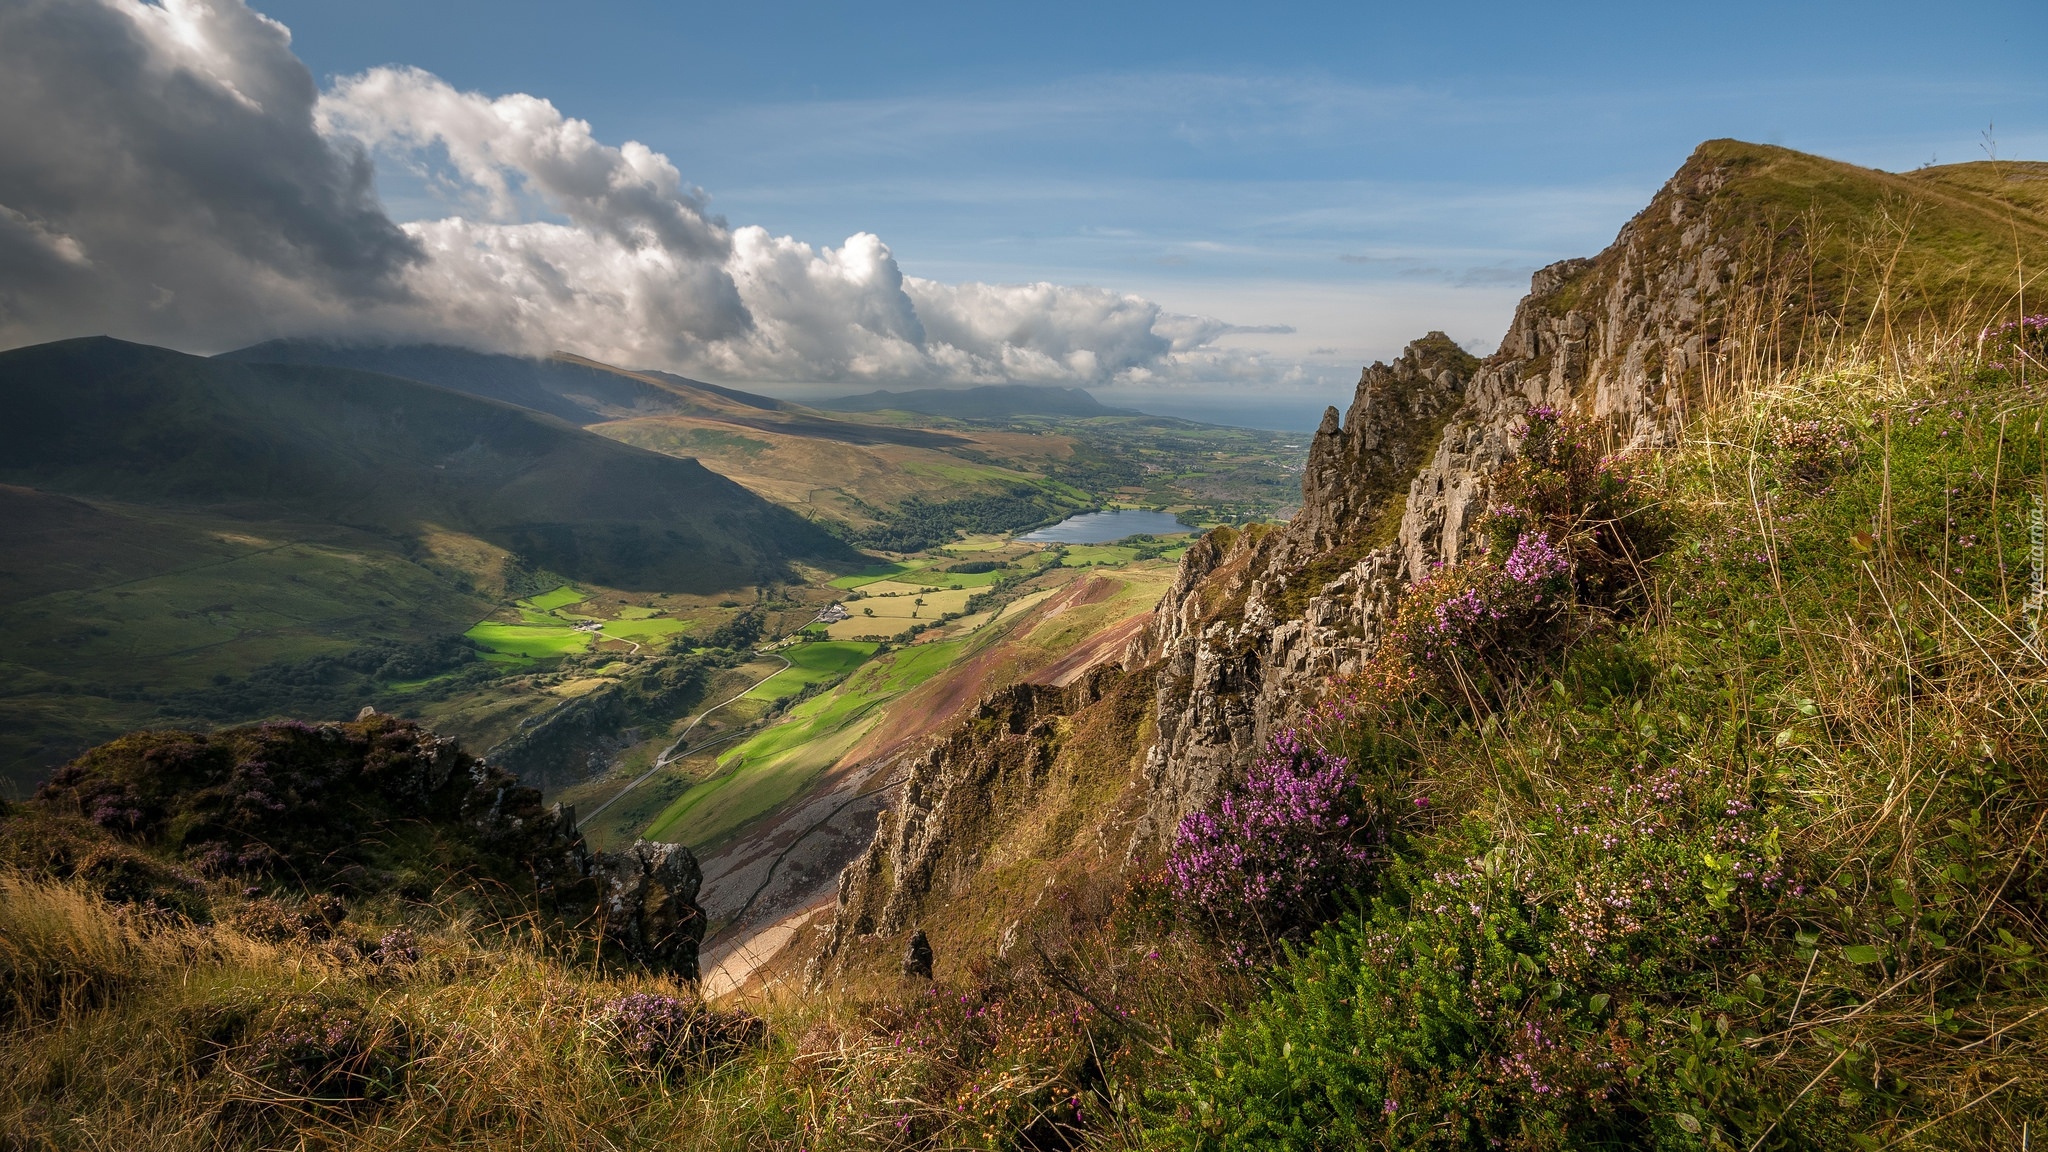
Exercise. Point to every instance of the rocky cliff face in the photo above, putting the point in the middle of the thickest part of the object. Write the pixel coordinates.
(1258, 621)
(958, 794)
(1716, 275)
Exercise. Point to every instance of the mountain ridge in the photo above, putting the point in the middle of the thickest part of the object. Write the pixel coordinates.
(580, 390)
(102, 417)
(1693, 290)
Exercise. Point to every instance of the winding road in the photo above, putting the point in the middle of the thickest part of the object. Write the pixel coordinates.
(675, 749)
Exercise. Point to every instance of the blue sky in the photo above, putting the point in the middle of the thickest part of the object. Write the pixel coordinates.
(1359, 172)
(1332, 180)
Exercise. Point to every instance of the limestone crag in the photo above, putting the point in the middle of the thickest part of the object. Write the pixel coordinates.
(955, 794)
(1256, 621)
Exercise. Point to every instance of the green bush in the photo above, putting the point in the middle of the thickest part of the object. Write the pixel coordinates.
(1501, 998)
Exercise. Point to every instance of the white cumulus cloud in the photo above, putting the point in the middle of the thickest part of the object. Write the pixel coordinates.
(169, 171)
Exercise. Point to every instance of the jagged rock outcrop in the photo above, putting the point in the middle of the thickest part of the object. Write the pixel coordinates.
(355, 809)
(647, 904)
(956, 792)
(1256, 620)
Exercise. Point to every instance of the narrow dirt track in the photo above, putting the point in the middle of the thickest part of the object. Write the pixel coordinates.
(663, 760)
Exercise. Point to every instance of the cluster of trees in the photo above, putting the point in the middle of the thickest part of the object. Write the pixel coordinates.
(741, 631)
(917, 523)
(1092, 469)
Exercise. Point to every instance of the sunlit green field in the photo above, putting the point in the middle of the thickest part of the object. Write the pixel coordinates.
(546, 626)
(644, 630)
(549, 601)
(878, 572)
(530, 639)
(776, 766)
(819, 663)
(1090, 555)
(921, 573)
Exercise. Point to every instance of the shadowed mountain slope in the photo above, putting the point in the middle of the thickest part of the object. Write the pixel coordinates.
(582, 391)
(99, 417)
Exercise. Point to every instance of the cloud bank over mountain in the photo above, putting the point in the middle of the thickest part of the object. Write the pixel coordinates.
(171, 172)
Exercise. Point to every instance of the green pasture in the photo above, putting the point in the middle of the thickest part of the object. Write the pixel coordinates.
(645, 629)
(535, 640)
(960, 579)
(819, 663)
(544, 626)
(878, 573)
(767, 771)
(1085, 555)
(549, 601)
(1090, 555)
(914, 665)
(775, 767)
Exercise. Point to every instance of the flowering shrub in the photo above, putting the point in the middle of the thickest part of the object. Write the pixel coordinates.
(331, 1053)
(1595, 508)
(661, 1032)
(1505, 1000)
(1270, 855)
(2017, 346)
(1810, 451)
(268, 920)
(1570, 525)
(1475, 620)
(397, 948)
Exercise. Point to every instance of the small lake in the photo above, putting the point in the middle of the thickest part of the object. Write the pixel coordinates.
(1102, 527)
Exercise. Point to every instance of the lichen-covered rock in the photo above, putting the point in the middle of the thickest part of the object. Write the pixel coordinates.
(647, 904)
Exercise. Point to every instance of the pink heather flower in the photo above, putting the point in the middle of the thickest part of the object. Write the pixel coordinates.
(1275, 846)
(1535, 560)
